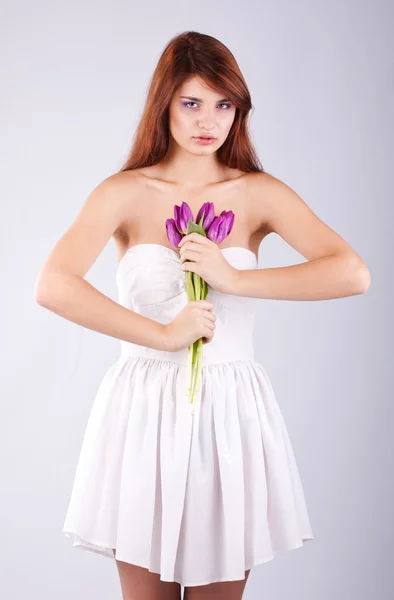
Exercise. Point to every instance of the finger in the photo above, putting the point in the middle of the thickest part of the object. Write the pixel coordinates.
(203, 303)
(194, 236)
(210, 316)
(190, 254)
(189, 265)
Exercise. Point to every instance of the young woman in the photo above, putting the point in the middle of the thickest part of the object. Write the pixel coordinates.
(182, 499)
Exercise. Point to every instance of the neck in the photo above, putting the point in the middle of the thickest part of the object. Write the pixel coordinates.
(191, 170)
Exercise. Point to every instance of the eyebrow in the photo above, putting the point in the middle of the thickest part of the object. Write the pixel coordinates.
(200, 100)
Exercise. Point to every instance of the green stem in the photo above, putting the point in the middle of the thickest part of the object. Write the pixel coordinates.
(196, 289)
(198, 367)
(189, 369)
(190, 296)
(192, 377)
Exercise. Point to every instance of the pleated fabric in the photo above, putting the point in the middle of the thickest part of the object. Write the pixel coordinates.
(197, 499)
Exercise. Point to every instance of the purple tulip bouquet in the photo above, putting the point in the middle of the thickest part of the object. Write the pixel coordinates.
(215, 228)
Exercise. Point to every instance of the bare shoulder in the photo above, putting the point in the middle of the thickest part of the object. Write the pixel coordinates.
(120, 192)
(262, 186)
(258, 191)
(119, 187)
(272, 201)
(99, 218)
(288, 215)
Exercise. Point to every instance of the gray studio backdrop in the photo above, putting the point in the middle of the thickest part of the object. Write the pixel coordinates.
(73, 78)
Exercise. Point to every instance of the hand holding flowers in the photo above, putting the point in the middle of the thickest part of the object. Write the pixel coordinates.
(204, 265)
(195, 320)
(204, 257)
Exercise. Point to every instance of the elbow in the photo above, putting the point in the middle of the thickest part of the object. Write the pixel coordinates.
(41, 291)
(365, 280)
(44, 286)
(361, 276)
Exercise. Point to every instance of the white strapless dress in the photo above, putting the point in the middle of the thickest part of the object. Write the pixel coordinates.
(197, 499)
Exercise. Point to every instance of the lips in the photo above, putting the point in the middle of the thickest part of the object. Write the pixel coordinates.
(204, 137)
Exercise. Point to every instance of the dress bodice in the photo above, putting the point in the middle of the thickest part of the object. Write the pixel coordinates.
(150, 281)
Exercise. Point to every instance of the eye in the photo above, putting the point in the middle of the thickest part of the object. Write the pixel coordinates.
(228, 104)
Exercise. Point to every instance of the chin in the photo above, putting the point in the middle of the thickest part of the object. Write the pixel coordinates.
(202, 149)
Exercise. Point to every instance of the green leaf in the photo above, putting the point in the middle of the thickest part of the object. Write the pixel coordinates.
(195, 228)
(197, 281)
(190, 292)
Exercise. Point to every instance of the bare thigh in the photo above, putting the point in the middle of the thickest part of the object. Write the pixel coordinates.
(222, 590)
(138, 583)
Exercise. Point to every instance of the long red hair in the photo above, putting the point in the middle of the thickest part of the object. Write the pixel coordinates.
(186, 55)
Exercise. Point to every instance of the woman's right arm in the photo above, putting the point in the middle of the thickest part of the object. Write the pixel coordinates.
(61, 287)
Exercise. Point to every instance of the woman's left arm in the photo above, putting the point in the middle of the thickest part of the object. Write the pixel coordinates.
(332, 270)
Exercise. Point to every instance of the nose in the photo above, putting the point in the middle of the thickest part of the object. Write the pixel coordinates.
(206, 120)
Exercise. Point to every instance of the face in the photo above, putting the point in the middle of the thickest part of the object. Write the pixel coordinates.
(196, 110)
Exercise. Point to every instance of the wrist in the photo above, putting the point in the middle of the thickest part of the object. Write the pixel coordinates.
(165, 338)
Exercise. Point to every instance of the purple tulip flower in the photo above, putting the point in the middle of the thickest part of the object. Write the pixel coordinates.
(207, 211)
(182, 215)
(221, 226)
(173, 234)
